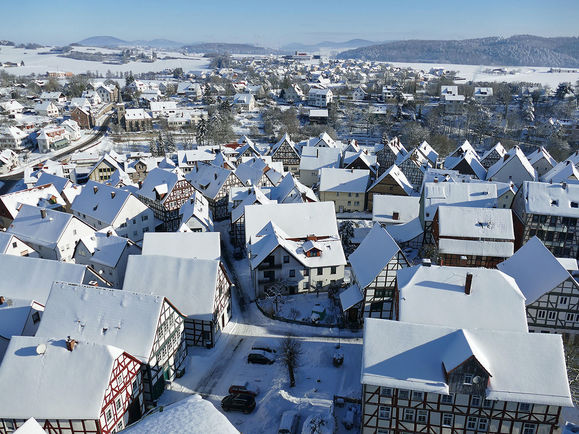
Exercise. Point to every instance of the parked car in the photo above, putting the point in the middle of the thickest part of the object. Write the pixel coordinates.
(263, 348)
(260, 356)
(244, 389)
(244, 403)
(289, 423)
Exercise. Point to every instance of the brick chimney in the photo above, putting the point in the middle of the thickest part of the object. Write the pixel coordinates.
(70, 343)
(468, 283)
(2, 299)
(95, 189)
(113, 194)
(395, 216)
(43, 213)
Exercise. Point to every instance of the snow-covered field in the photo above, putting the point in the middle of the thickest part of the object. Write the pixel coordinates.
(531, 74)
(42, 63)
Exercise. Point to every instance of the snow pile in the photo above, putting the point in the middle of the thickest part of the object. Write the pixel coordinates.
(190, 415)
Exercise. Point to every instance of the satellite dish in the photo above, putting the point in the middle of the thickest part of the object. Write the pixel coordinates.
(476, 380)
(41, 349)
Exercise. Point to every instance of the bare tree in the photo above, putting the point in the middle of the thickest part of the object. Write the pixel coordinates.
(290, 353)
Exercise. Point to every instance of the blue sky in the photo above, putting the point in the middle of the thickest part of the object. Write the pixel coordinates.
(273, 23)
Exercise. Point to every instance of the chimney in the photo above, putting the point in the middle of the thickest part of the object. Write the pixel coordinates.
(70, 343)
(468, 283)
(435, 180)
(43, 213)
(2, 300)
(95, 189)
(505, 157)
(395, 215)
(426, 262)
(109, 233)
(215, 175)
(113, 194)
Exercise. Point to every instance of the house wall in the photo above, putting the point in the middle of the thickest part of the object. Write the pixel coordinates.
(344, 202)
(277, 267)
(514, 171)
(389, 410)
(18, 248)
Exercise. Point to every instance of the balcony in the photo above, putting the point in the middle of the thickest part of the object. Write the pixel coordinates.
(269, 266)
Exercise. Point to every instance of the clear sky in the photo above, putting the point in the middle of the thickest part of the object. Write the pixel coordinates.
(273, 23)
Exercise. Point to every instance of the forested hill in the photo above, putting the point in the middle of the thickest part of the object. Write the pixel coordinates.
(520, 50)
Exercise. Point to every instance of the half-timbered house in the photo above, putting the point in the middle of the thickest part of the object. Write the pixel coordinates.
(295, 246)
(388, 153)
(69, 386)
(374, 265)
(513, 167)
(198, 288)
(414, 165)
(254, 196)
(285, 151)
(551, 291)
(165, 191)
(147, 327)
(493, 155)
(419, 378)
(392, 182)
(214, 183)
(473, 237)
(550, 212)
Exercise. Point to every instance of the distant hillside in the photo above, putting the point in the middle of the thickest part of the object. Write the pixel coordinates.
(221, 47)
(520, 50)
(352, 43)
(102, 41)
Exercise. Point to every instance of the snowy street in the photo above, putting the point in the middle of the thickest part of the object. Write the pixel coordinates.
(211, 372)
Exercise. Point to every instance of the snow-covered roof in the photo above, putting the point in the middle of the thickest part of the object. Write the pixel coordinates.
(59, 182)
(479, 223)
(535, 269)
(498, 148)
(123, 319)
(398, 176)
(428, 151)
(55, 384)
(510, 160)
(564, 170)
(197, 207)
(32, 278)
(436, 295)
(30, 225)
(101, 202)
(158, 177)
(31, 426)
(297, 220)
(105, 246)
(478, 194)
(189, 284)
(471, 160)
(314, 157)
(344, 180)
(524, 367)
(350, 296)
(14, 313)
(384, 206)
(372, 255)
(272, 236)
(192, 415)
(539, 154)
(369, 160)
(194, 245)
(551, 199)
(254, 196)
(136, 114)
(41, 195)
(208, 179)
(290, 190)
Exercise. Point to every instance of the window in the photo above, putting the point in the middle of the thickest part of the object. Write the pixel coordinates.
(35, 317)
(306, 285)
(14, 244)
(320, 271)
(333, 270)
(471, 422)
(447, 399)
(475, 401)
(523, 406)
(574, 205)
(144, 218)
(417, 396)
(403, 394)
(549, 236)
(109, 415)
(468, 379)
(563, 300)
(570, 316)
(286, 259)
(552, 315)
(487, 403)
(120, 425)
(134, 221)
(386, 391)
(307, 272)
(447, 419)
(292, 273)
(383, 431)
(541, 314)
(119, 404)
(483, 424)
(409, 415)
(384, 412)
(422, 416)
(319, 284)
